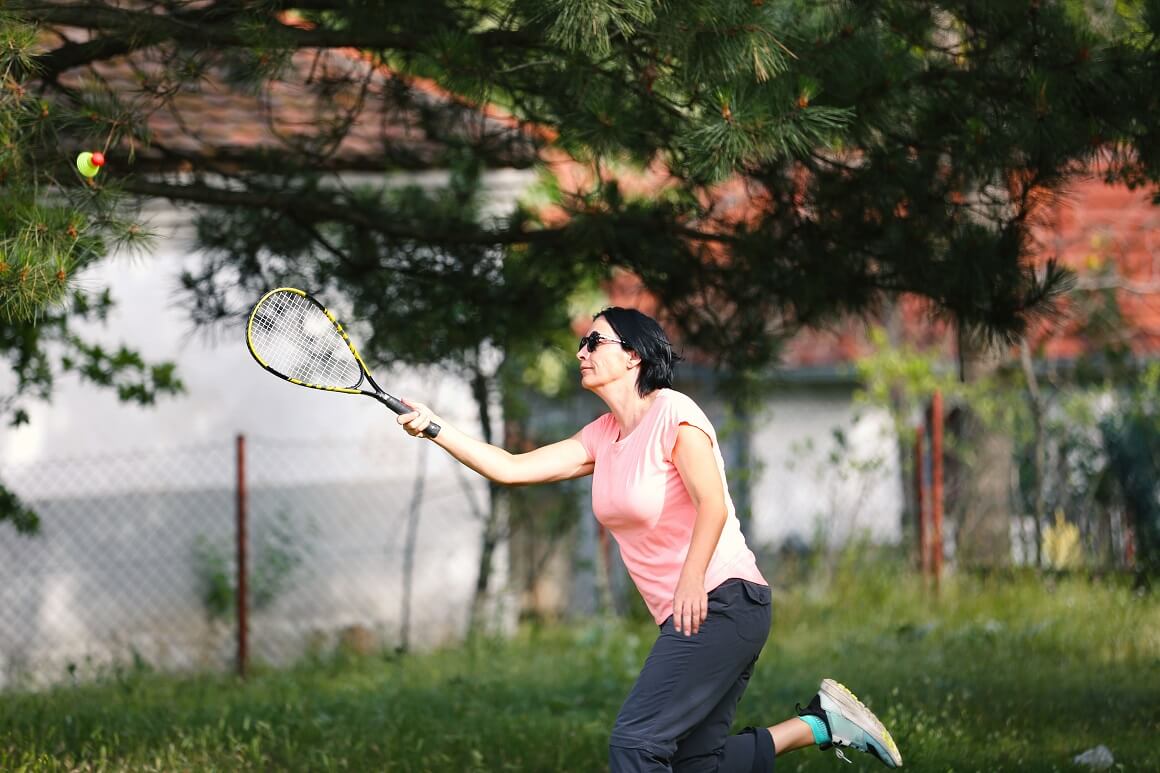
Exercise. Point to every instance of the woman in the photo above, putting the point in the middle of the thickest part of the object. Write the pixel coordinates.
(659, 486)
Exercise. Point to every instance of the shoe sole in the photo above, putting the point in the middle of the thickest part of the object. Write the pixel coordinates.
(857, 712)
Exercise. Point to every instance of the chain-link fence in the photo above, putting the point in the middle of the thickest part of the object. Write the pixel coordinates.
(137, 557)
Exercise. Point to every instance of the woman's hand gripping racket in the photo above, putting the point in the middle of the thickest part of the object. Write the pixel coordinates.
(296, 338)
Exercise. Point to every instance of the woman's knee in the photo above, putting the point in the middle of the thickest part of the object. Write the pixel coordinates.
(633, 758)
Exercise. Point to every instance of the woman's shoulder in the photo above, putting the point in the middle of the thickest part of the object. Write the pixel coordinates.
(676, 400)
(598, 433)
(679, 408)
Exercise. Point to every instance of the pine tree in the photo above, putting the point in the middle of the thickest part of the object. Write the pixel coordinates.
(800, 161)
(53, 226)
(874, 147)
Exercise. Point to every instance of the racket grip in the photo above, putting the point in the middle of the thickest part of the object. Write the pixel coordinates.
(400, 407)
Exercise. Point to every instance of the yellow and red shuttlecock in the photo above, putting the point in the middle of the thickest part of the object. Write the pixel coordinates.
(89, 164)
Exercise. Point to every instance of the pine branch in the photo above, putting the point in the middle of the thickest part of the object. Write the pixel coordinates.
(316, 210)
(218, 27)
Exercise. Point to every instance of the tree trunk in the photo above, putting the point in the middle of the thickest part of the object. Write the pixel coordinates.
(911, 514)
(978, 480)
(493, 519)
(1038, 449)
(410, 538)
(492, 535)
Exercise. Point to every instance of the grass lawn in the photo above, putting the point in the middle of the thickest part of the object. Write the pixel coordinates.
(990, 676)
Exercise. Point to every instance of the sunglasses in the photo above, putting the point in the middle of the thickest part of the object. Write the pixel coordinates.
(592, 340)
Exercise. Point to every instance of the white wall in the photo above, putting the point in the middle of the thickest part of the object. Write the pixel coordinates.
(226, 392)
(801, 493)
(88, 447)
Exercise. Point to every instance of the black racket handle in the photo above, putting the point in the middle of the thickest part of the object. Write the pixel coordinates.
(400, 407)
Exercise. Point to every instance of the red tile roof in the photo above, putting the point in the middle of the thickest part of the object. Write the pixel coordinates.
(379, 120)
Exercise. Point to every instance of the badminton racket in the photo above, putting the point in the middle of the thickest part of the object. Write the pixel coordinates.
(292, 335)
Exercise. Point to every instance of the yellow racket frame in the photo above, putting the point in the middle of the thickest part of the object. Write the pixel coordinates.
(392, 402)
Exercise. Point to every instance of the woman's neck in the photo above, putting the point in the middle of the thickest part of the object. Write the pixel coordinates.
(627, 406)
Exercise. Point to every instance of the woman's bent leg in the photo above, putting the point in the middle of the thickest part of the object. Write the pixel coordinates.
(687, 683)
(710, 748)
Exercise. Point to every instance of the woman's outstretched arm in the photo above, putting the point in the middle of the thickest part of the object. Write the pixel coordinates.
(562, 460)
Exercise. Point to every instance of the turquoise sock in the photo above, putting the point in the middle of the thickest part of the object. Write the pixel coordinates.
(821, 732)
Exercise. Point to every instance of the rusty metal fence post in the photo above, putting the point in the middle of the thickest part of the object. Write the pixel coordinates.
(928, 492)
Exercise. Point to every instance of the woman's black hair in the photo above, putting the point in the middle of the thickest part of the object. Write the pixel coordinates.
(643, 335)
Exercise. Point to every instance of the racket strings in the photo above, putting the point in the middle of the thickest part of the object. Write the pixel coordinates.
(297, 339)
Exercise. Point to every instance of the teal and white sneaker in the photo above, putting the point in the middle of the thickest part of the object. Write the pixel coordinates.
(840, 720)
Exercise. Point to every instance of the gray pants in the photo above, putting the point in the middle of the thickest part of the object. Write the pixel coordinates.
(679, 712)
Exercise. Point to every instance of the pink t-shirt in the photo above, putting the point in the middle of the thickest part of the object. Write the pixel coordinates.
(639, 496)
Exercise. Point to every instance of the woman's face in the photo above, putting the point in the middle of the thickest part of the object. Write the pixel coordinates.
(609, 362)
